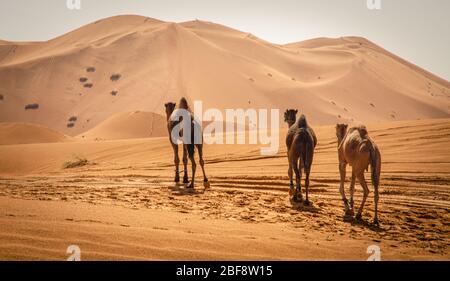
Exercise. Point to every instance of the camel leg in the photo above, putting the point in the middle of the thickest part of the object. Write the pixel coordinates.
(194, 166)
(376, 198)
(363, 183)
(291, 180)
(298, 190)
(202, 162)
(185, 163)
(176, 160)
(291, 177)
(307, 170)
(352, 192)
(342, 171)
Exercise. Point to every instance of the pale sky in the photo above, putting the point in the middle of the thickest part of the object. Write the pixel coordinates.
(416, 30)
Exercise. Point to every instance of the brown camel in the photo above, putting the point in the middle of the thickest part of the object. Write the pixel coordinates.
(290, 117)
(188, 149)
(300, 143)
(357, 149)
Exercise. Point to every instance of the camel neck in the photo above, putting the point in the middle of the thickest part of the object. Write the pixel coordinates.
(168, 116)
(340, 139)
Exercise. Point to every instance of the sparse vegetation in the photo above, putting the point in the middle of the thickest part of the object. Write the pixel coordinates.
(90, 69)
(77, 162)
(88, 85)
(32, 106)
(83, 79)
(114, 93)
(115, 77)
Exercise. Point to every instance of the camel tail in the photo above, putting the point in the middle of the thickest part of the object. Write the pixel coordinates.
(191, 146)
(305, 145)
(375, 163)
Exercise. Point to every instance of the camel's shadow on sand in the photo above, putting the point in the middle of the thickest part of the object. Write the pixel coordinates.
(301, 207)
(311, 208)
(362, 223)
(182, 190)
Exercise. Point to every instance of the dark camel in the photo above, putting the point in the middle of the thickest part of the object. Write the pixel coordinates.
(300, 142)
(188, 149)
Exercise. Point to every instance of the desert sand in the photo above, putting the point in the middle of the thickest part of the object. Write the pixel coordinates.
(123, 204)
(100, 92)
(128, 125)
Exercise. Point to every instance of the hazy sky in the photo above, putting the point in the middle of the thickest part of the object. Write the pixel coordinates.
(417, 30)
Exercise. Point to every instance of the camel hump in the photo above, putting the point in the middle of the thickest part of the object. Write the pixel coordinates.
(302, 122)
(363, 132)
(184, 104)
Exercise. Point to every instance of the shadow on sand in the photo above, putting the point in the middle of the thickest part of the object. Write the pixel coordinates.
(362, 223)
(300, 206)
(182, 190)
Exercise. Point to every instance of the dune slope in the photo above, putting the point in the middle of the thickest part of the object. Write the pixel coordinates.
(23, 133)
(130, 63)
(129, 125)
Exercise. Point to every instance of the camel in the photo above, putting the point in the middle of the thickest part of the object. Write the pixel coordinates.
(290, 117)
(357, 149)
(188, 149)
(301, 142)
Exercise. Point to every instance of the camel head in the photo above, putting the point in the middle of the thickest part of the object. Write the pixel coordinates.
(170, 107)
(290, 116)
(341, 130)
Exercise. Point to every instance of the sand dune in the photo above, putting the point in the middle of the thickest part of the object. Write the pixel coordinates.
(129, 125)
(22, 133)
(331, 80)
